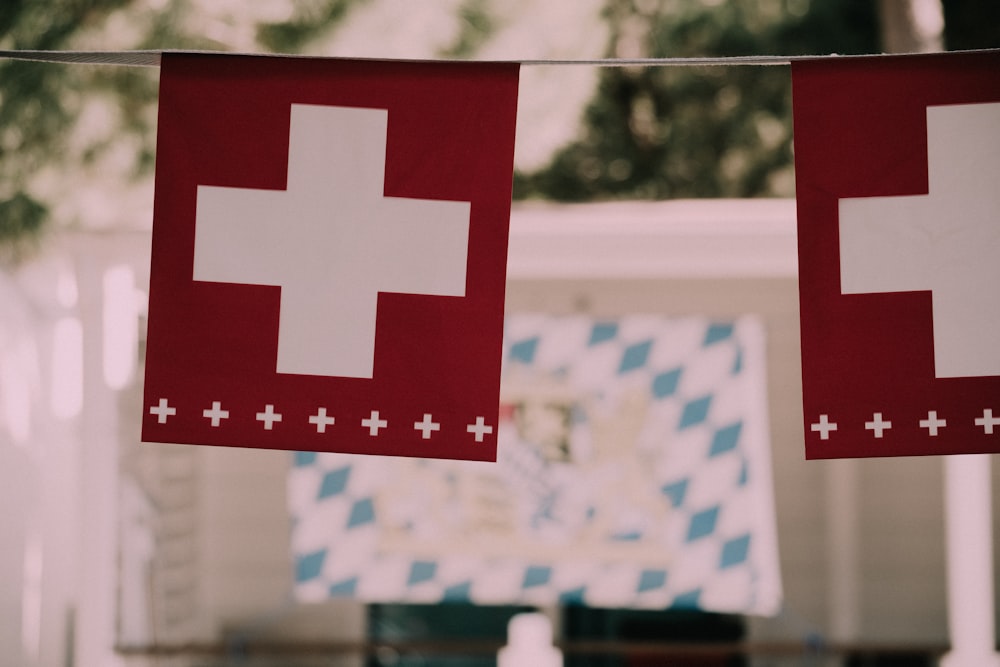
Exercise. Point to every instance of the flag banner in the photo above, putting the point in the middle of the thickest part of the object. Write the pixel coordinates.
(633, 472)
(329, 254)
(896, 162)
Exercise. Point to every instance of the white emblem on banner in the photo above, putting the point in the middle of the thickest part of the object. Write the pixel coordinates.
(947, 241)
(332, 241)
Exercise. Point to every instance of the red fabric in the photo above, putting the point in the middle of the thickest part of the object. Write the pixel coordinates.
(224, 120)
(861, 131)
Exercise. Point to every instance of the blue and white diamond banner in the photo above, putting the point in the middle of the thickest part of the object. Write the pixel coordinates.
(633, 471)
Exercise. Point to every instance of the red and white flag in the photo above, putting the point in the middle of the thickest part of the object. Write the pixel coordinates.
(329, 254)
(896, 161)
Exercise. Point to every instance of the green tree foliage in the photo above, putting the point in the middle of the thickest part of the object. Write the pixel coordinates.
(477, 27)
(721, 131)
(37, 104)
(310, 19)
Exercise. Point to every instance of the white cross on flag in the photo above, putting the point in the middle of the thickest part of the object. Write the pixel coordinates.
(329, 254)
(896, 163)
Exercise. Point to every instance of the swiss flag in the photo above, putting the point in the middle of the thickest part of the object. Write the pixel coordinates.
(329, 254)
(896, 161)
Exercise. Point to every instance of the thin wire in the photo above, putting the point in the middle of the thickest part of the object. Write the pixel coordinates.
(152, 59)
(682, 62)
(135, 58)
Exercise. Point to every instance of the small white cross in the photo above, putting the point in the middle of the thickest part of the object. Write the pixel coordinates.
(373, 423)
(932, 423)
(321, 420)
(269, 416)
(479, 428)
(216, 414)
(878, 425)
(824, 426)
(988, 421)
(162, 411)
(427, 426)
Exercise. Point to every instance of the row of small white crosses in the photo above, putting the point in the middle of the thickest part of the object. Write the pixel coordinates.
(374, 423)
(878, 425)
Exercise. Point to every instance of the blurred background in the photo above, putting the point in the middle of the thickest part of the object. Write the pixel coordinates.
(112, 552)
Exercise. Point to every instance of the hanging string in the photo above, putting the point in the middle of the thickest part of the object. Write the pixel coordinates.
(151, 58)
(141, 58)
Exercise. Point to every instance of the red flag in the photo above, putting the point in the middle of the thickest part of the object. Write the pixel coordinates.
(896, 163)
(329, 254)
